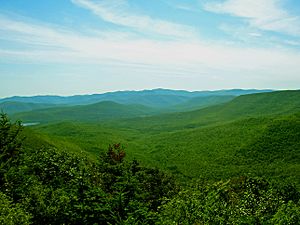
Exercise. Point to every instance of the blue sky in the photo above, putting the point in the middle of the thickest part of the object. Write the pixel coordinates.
(68, 47)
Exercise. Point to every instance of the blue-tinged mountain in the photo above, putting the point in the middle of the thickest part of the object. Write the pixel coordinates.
(16, 107)
(151, 98)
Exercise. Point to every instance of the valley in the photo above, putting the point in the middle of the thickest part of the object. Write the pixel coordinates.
(210, 139)
(212, 142)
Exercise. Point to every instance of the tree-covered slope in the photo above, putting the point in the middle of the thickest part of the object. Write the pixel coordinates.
(262, 129)
(42, 184)
(258, 146)
(88, 113)
(273, 103)
(261, 146)
(201, 102)
(245, 106)
(279, 141)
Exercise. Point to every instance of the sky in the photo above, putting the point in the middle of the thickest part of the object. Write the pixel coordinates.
(67, 47)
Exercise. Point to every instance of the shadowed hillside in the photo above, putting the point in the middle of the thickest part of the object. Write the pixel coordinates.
(94, 112)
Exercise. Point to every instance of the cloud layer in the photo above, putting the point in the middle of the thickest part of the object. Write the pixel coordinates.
(264, 14)
(118, 12)
(143, 46)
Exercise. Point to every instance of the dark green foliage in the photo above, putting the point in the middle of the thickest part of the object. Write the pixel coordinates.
(287, 214)
(54, 187)
(236, 201)
(135, 188)
(57, 188)
(279, 141)
(12, 214)
(10, 144)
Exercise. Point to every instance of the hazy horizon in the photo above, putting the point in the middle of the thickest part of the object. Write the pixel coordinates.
(139, 90)
(74, 47)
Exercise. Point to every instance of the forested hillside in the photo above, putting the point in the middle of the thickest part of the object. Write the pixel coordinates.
(245, 106)
(95, 112)
(235, 162)
(214, 143)
(41, 184)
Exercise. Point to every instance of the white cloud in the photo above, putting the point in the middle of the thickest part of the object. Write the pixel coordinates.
(292, 42)
(266, 15)
(254, 34)
(184, 6)
(43, 43)
(119, 13)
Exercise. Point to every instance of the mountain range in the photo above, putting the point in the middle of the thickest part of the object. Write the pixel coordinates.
(210, 136)
(172, 100)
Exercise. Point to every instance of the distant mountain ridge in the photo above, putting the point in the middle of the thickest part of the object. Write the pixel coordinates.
(12, 107)
(151, 98)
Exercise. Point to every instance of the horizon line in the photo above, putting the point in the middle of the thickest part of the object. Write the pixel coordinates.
(141, 90)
